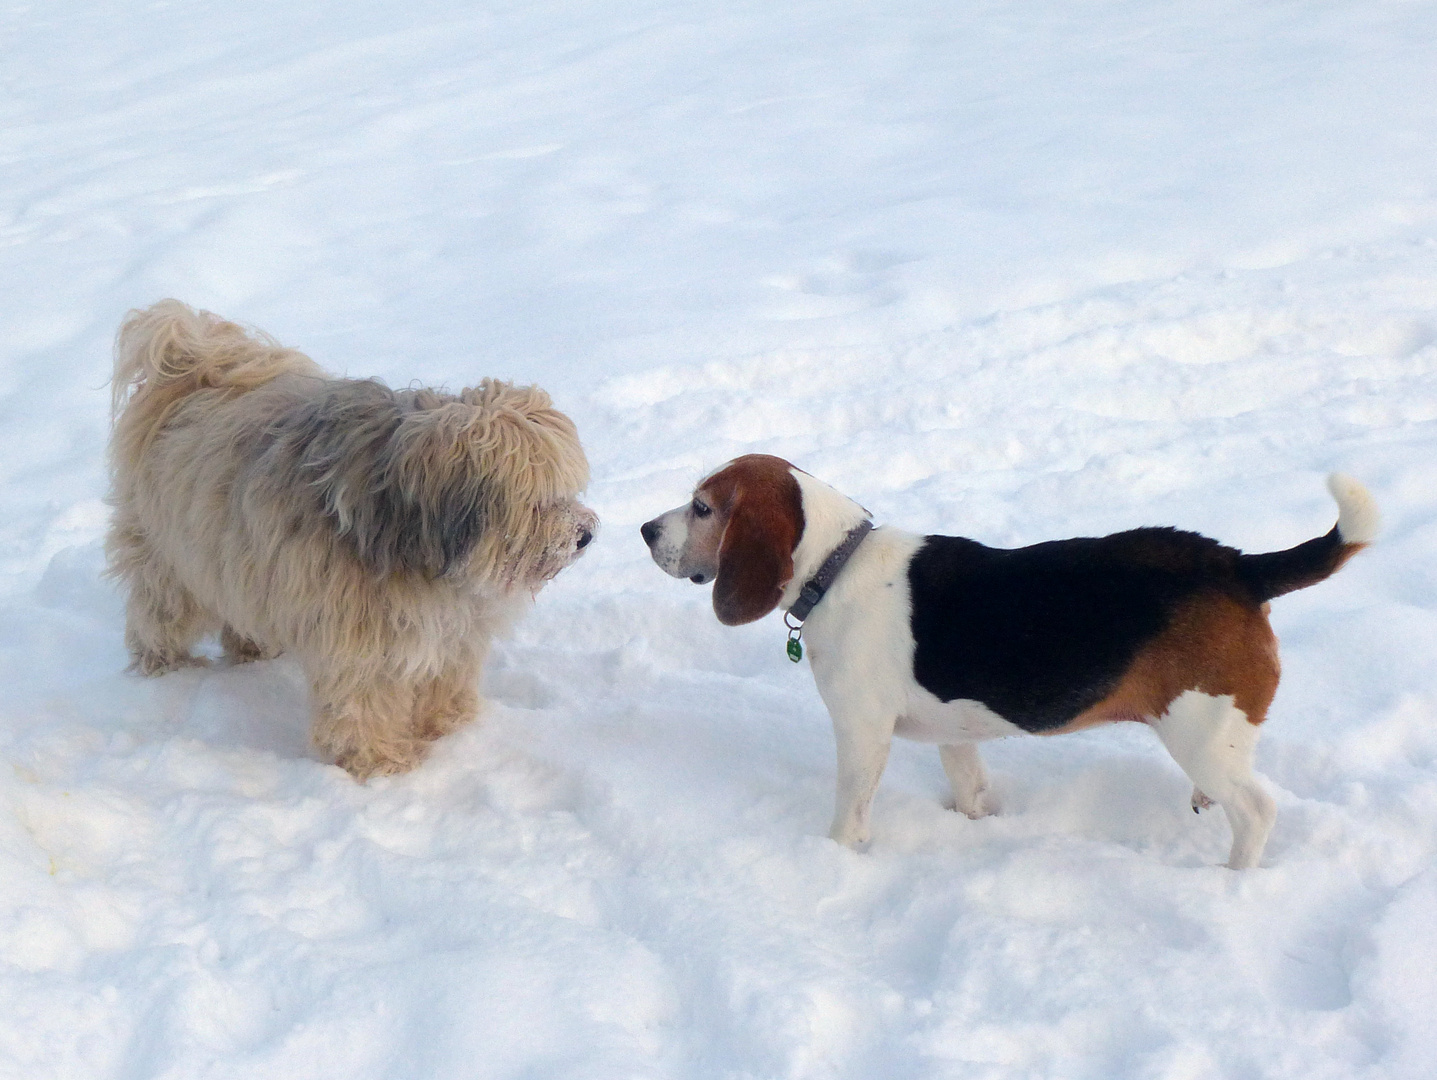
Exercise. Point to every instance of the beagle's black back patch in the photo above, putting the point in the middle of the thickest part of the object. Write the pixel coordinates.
(1038, 634)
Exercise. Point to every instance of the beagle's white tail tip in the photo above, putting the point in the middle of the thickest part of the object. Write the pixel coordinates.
(1358, 519)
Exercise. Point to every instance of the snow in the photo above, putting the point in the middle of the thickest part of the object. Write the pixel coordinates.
(1014, 271)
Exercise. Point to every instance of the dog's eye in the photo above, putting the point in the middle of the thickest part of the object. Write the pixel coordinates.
(702, 509)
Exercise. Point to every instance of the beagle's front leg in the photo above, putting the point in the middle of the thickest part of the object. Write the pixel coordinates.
(861, 669)
(863, 735)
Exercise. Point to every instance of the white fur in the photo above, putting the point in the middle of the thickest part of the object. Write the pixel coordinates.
(968, 779)
(826, 514)
(668, 550)
(1212, 741)
(1358, 519)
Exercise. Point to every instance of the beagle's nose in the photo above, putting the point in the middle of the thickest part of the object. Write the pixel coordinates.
(650, 532)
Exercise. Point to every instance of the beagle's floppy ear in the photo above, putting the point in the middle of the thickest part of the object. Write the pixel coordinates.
(765, 521)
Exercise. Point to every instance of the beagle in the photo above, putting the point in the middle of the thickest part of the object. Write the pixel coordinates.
(944, 640)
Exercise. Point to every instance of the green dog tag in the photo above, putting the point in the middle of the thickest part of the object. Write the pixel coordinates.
(795, 649)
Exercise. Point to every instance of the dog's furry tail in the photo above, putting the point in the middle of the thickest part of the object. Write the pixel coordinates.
(167, 352)
(170, 350)
(1278, 572)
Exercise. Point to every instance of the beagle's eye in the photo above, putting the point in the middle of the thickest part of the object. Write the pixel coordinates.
(702, 509)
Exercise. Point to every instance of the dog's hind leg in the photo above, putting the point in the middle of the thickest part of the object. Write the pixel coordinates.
(163, 621)
(1213, 741)
(968, 778)
(162, 624)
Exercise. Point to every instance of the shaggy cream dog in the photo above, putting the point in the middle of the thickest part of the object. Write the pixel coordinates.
(380, 536)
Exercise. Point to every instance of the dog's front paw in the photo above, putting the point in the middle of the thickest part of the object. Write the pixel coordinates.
(159, 663)
(1200, 801)
(365, 765)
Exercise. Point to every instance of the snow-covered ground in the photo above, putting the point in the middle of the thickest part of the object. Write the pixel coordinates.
(1011, 270)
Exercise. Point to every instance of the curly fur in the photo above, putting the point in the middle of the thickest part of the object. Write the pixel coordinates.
(380, 536)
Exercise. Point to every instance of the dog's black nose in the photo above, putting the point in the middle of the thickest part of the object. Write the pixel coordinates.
(650, 532)
(584, 537)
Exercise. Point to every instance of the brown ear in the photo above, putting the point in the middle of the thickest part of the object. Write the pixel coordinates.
(765, 521)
